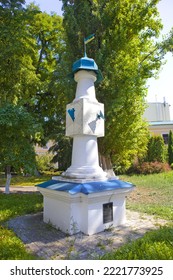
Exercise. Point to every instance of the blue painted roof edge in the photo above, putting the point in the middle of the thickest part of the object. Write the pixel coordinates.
(86, 188)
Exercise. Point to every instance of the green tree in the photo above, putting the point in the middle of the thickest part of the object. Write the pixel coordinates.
(17, 77)
(30, 58)
(49, 97)
(44, 162)
(18, 131)
(170, 147)
(12, 4)
(156, 149)
(31, 49)
(62, 150)
(127, 55)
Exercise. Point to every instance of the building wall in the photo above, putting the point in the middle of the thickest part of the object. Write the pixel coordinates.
(161, 128)
(158, 116)
(157, 111)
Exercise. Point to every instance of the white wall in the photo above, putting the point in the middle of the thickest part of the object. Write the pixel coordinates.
(157, 111)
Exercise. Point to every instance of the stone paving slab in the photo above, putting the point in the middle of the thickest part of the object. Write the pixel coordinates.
(49, 243)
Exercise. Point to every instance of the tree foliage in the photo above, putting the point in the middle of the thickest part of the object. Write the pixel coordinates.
(36, 57)
(127, 55)
(44, 162)
(15, 50)
(30, 58)
(31, 46)
(48, 98)
(18, 131)
(12, 4)
(156, 149)
(62, 150)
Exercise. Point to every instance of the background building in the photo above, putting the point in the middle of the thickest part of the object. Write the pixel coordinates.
(158, 116)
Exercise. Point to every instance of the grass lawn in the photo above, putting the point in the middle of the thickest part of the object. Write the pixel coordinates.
(153, 195)
(20, 181)
(154, 245)
(12, 248)
(12, 205)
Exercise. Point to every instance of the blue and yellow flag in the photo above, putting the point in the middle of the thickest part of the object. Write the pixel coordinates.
(89, 39)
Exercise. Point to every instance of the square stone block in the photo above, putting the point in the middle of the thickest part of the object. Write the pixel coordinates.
(74, 213)
(84, 117)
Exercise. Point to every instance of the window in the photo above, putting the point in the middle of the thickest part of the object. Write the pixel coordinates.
(107, 212)
(165, 138)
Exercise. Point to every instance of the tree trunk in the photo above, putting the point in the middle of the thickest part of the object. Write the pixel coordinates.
(8, 180)
(106, 164)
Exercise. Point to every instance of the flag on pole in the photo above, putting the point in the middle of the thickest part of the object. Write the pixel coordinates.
(89, 39)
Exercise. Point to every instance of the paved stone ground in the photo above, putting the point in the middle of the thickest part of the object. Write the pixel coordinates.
(49, 243)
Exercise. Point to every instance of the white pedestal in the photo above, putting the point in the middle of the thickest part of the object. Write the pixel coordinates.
(79, 212)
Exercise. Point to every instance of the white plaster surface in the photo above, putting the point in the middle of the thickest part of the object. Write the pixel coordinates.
(85, 124)
(85, 85)
(79, 212)
(86, 120)
(72, 213)
(85, 161)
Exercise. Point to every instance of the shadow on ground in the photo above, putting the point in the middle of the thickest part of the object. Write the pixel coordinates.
(49, 243)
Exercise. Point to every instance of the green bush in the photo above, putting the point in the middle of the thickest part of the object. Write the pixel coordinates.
(44, 162)
(156, 149)
(154, 245)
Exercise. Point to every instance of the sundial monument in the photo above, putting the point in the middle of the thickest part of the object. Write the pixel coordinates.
(84, 198)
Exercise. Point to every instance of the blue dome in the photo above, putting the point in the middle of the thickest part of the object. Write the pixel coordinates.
(88, 64)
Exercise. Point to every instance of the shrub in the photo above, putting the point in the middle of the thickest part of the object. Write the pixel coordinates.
(152, 167)
(44, 162)
(156, 149)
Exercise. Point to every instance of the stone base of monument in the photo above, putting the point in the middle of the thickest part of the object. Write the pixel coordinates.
(83, 206)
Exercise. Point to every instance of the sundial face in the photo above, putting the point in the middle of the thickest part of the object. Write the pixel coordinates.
(85, 118)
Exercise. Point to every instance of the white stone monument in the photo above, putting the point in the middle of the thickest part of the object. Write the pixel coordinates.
(84, 198)
(85, 122)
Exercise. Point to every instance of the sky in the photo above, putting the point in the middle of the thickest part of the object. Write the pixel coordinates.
(159, 88)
